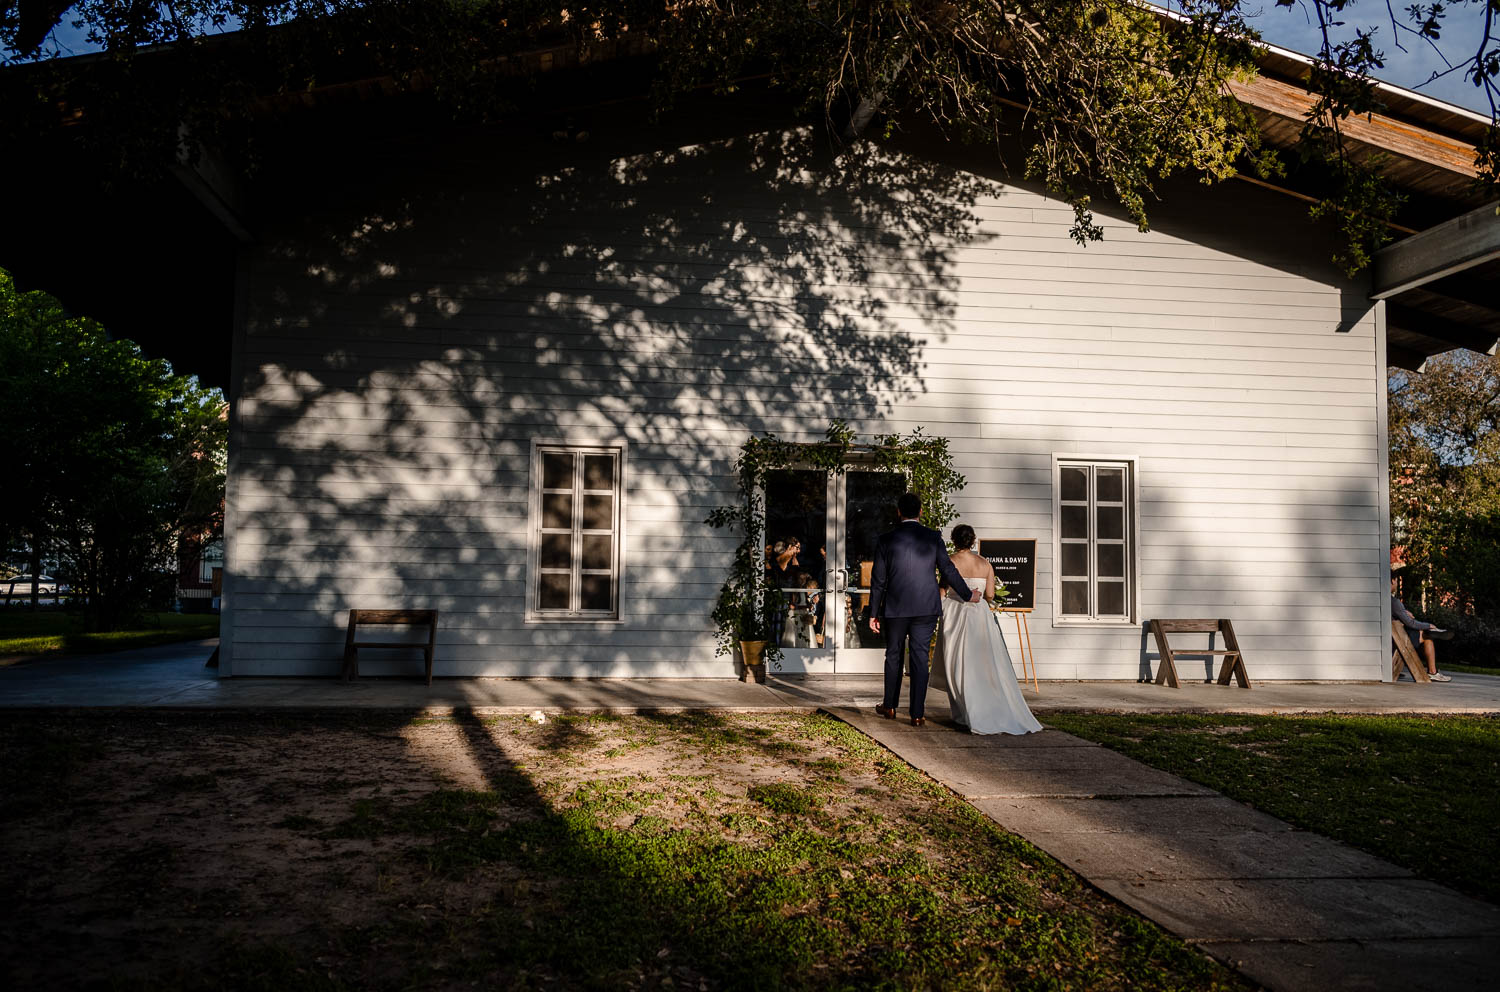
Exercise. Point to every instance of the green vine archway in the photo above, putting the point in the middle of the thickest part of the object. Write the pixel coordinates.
(747, 602)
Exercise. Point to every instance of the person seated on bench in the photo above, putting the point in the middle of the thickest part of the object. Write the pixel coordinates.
(1421, 634)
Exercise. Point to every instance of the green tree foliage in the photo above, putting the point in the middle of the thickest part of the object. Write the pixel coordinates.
(1106, 97)
(111, 459)
(1445, 479)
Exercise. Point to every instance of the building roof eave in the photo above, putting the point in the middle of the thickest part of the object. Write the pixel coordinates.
(1442, 288)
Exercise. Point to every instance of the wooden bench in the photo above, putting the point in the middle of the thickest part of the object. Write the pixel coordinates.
(1234, 661)
(1404, 654)
(360, 618)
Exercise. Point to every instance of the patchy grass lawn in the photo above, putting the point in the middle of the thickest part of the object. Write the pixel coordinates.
(1419, 791)
(23, 632)
(1469, 669)
(184, 851)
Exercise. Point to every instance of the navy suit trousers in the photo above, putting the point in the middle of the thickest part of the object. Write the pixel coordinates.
(899, 632)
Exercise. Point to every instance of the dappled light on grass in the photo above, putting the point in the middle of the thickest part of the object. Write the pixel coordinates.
(688, 851)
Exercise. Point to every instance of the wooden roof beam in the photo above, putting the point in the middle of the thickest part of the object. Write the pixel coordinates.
(1440, 329)
(212, 183)
(1463, 289)
(1404, 358)
(1293, 102)
(1439, 251)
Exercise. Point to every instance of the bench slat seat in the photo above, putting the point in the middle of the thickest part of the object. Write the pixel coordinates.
(1234, 659)
(411, 618)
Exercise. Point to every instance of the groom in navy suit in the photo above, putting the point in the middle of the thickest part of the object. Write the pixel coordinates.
(904, 600)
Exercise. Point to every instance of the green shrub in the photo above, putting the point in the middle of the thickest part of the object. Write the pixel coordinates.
(1476, 640)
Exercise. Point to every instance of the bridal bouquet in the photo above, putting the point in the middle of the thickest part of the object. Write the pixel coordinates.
(1000, 593)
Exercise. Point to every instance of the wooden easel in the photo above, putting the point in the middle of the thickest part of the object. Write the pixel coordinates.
(1023, 641)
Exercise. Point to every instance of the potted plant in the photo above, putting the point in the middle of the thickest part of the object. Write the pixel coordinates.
(743, 616)
(754, 635)
(747, 601)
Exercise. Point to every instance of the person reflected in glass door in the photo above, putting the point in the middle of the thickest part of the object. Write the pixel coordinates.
(783, 576)
(813, 590)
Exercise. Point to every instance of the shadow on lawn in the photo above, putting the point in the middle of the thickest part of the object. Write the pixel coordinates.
(645, 904)
(306, 852)
(779, 891)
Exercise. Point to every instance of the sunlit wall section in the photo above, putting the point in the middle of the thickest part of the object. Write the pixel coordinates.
(409, 342)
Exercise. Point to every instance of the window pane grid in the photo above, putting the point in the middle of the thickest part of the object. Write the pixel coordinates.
(578, 550)
(1094, 527)
(1076, 522)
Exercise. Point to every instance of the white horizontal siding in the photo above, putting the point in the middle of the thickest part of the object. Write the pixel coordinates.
(403, 347)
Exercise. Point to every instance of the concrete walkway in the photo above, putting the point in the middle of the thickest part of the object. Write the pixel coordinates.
(1290, 909)
(174, 675)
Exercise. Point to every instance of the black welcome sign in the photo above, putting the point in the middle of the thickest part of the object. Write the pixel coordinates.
(1014, 561)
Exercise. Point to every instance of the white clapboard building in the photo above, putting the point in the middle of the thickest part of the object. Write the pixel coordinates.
(504, 373)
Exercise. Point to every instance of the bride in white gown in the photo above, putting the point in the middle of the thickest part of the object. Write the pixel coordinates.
(982, 688)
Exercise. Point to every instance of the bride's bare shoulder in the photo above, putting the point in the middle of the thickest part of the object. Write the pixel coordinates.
(970, 565)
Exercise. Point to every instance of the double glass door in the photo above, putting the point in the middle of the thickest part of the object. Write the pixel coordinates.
(820, 549)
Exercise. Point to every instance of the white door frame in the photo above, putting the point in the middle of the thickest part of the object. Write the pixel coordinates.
(836, 658)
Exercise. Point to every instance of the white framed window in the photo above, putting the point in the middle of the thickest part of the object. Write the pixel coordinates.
(212, 558)
(1094, 527)
(576, 555)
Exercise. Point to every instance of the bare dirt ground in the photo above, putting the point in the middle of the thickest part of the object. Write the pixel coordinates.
(370, 850)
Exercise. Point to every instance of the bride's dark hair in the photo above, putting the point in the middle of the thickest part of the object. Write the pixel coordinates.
(963, 537)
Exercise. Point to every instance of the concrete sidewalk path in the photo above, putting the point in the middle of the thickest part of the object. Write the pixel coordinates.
(174, 675)
(1292, 910)
(1469, 694)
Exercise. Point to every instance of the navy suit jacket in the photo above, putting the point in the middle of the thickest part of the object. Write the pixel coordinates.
(902, 582)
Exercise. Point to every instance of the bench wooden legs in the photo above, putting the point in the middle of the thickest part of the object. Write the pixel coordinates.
(351, 653)
(1234, 660)
(426, 618)
(1403, 654)
(351, 661)
(1233, 663)
(1166, 672)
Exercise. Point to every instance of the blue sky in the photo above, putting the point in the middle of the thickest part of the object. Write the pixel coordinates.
(1293, 28)
(1463, 27)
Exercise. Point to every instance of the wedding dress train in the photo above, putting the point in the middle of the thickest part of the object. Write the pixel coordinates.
(982, 687)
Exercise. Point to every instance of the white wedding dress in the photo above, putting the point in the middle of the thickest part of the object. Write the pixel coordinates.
(982, 687)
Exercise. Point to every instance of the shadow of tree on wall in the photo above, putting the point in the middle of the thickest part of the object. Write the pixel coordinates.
(1310, 606)
(1245, 382)
(423, 314)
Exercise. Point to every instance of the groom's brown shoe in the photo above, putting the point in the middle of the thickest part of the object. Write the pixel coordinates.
(889, 714)
(919, 721)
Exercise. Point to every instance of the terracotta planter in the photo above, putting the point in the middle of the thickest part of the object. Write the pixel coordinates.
(753, 653)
